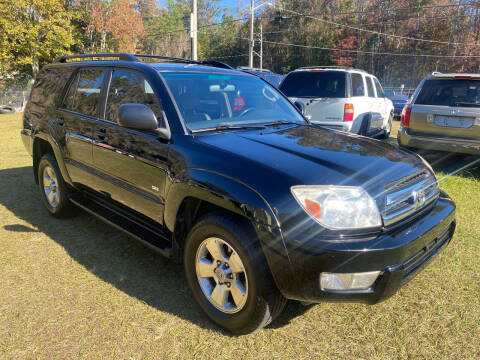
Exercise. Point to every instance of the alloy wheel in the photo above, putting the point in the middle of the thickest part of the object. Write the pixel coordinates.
(221, 275)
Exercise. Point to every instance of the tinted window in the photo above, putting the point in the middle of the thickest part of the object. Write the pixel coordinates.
(315, 84)
(128, 86)
(48, 86)
(380, 92)
(208, 100)
(358, 89)
(371, 93)
(85, 96)
(69, 98)
(458, 92)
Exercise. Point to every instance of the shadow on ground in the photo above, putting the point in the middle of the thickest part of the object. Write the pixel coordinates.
(109, 254)
(128, 265)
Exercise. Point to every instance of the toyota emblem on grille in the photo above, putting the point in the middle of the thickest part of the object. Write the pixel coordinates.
(418, 198)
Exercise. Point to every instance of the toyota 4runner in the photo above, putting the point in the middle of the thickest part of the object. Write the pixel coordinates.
(260, 205)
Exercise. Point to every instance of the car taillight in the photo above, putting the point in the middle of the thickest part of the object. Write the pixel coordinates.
(348, 112)
(462, 77)
(406, 116)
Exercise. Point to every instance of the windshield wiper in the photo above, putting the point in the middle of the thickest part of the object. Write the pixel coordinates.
(280, 122)
(221, 127)
(460, 103)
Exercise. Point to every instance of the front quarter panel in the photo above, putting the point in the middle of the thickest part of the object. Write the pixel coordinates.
(237, 197)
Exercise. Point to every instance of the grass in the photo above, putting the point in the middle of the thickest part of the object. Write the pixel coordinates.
(77, 288)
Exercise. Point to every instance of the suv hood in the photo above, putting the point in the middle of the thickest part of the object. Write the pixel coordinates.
(271, 160)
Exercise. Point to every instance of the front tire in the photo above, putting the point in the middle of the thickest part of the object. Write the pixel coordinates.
(53, 189)
(227, 272)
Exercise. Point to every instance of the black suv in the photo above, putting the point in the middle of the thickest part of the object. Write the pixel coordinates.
(215, 167)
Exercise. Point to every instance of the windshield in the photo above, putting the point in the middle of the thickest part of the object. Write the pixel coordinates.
(208, 101)
(315, 84)
(455, 92)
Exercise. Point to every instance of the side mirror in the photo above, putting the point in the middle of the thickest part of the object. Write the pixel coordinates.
(300, 106)
(141, 117)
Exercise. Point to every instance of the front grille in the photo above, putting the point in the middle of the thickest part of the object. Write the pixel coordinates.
(408, 195)
(421, 257)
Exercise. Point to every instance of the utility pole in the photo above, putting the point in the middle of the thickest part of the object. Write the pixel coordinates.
(252, 16)
(193, 30)
(359, 34)
(261, 46)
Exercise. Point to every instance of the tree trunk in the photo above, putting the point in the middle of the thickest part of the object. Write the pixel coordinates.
(103, 42)
(35, 67)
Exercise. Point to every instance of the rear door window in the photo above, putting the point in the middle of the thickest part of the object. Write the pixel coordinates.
(315, 84)
(130, 86)
(446, 92)
(378, 86)
(371, 92)
(358, 88)
(84, 93)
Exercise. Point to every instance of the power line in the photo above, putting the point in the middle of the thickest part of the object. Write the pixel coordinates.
(377, 32)
(355, 12)
(367, 52)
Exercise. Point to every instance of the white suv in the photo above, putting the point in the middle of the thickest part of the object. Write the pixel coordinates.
(341, 98)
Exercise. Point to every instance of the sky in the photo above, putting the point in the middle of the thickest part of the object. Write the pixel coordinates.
(232, 4)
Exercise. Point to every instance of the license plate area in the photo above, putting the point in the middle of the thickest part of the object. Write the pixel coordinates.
(461, 122)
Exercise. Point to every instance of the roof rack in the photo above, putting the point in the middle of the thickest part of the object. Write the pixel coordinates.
(329, 67)
(246, 68)
(136, 58)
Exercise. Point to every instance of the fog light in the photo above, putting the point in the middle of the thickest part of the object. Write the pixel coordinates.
(351, 281)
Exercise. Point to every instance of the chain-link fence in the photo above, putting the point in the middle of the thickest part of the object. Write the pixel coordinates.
(13, 101)
(398, 90)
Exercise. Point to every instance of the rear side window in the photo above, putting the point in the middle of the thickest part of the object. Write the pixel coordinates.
(84, 93)
(316, 84)
(455, 92)
(129, 86)
(358, 89)
(49, 85)
(378, 86)
(371, 92)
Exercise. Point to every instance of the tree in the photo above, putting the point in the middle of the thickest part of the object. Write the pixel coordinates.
(33, 32)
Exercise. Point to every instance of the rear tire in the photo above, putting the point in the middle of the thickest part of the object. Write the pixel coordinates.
(222, 255)
(365, 125)
(388, 129)
(53, 189)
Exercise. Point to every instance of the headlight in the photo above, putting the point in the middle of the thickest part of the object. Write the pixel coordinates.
(338, 207)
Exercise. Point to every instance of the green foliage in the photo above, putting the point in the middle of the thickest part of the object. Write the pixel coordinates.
(33, 32)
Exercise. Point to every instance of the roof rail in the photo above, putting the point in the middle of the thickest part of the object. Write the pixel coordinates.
(96, 57)
(136, 58)
(246, 68)
(329, 67)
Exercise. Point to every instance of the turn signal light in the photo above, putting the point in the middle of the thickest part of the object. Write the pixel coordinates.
(313, 208)
(406, 116)
(348, 112)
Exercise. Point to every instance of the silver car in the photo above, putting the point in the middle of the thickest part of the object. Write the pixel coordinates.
(443, 114)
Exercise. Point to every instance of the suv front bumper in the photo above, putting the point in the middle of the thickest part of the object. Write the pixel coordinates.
(398, 253)
(422, 141)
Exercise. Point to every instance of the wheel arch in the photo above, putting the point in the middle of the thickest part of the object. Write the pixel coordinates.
(41, 146)
(206, 192)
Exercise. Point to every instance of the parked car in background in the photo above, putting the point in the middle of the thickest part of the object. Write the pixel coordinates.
(399, 101)
(270, 76)
(258, 204)
(443, 114)
(341, 98)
